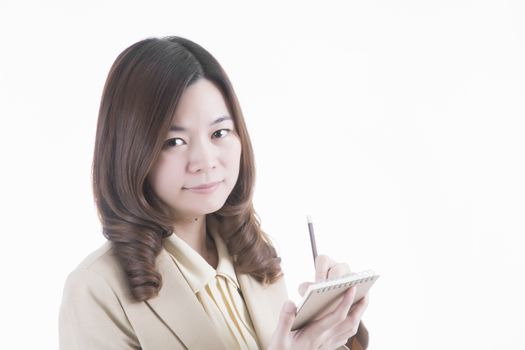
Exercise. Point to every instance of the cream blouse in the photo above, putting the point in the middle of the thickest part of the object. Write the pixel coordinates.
(217, 290)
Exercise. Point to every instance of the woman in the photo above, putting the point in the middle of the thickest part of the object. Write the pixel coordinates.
(186, 265)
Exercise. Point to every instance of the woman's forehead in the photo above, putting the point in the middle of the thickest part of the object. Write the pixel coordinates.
(202, 103)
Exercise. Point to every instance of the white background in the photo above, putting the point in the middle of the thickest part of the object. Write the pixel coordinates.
(398, 125)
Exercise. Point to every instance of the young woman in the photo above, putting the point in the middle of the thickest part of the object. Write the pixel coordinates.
(186, 265)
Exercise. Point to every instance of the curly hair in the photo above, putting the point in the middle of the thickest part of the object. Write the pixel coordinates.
(141, 93)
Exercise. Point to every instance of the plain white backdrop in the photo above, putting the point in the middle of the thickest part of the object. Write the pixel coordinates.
(398, 125)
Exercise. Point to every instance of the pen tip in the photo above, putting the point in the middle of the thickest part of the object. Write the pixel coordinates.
(309, 218)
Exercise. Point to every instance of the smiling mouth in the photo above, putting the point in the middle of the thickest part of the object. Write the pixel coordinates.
(208, 186)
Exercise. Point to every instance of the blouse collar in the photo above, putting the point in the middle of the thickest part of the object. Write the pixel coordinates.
(195, 268)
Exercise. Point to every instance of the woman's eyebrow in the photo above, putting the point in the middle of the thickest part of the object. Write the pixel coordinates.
(217, 121)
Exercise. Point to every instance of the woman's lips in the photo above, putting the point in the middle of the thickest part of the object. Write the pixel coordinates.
(205, 188)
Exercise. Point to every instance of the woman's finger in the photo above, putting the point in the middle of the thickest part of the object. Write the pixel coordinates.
(358, 309)
(338, 270)
(340, 313)
(303, 287)
(284, 325)
(325, 328)
(347, 302)
(322, 265)
(351, 323)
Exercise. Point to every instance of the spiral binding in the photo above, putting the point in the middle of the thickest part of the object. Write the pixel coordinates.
(365, 279)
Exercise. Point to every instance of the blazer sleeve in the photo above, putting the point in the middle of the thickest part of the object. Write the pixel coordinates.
(360, 340)
(91, 316)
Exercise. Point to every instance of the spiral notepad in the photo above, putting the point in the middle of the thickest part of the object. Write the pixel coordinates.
(320, 296)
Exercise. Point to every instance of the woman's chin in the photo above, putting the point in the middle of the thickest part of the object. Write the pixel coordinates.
(204, 208)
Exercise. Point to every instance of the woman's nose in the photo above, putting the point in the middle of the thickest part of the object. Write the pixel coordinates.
(202, 157)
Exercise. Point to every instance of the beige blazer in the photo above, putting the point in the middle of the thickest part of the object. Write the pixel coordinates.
(99, 312)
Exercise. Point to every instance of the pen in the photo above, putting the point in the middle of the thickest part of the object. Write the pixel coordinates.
(312, 237)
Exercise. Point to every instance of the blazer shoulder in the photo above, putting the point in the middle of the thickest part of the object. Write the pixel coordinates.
(100, 266)
(93, 311)
(99, 257)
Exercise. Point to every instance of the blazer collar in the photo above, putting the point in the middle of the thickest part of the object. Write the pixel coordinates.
(180, 310)
(264, 305)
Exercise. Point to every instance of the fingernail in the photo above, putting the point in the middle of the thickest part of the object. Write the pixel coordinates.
(289, 307)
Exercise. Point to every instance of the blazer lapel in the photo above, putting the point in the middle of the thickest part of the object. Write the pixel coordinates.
(264, 305)
(181, 311)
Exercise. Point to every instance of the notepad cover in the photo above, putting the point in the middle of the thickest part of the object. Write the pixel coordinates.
(320, 296)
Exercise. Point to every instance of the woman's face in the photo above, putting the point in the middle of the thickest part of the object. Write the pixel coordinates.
(199, 164)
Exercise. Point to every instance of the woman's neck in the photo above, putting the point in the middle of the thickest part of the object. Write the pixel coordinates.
(193, 231)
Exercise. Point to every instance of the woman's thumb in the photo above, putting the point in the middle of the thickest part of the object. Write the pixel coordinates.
(286, 318)
(303, 287)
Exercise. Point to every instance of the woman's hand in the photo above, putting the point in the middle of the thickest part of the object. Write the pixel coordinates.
(329, 331)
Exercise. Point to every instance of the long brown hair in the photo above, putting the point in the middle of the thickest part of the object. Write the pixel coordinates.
(140, 96)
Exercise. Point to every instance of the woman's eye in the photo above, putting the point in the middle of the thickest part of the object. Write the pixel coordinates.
(221, 132)
(176, 141)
